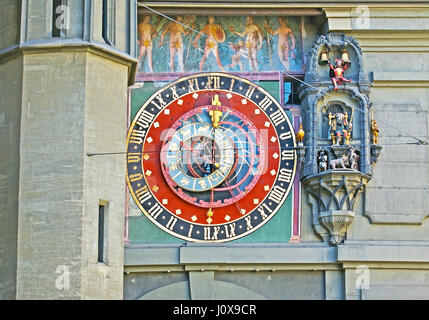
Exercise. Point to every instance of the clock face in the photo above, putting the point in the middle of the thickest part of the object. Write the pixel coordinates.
(210, 157)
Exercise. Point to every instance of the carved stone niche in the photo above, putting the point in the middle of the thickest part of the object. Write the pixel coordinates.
(333, 43)
(332, 195)
(339, 151)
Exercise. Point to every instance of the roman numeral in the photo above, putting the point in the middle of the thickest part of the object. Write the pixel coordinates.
(143, 194)
(170, 224)
(137, 136)
(215, 233)
(277, 117)
(213, 82)
(285, 135)
(288, 154)
(232, 85)
(249, 222)
(133, 157)
(135, 177)
(231, 232)
(193, 85)
(161, 102)
(190, 230)
(265, 103)
(261, 210)
(250, 91)
(155, 211)
(145, 119)
(174, 92)
(206, 233)
(277, 194)
(285, 175)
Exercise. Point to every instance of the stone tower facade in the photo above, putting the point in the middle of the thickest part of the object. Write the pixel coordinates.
(66, 67)
(70, 85)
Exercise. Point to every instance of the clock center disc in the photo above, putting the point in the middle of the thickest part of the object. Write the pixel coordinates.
(212, 162)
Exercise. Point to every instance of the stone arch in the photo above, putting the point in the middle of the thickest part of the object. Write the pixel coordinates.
(221, 290)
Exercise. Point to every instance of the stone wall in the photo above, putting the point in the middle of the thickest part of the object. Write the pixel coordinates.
(10, 127)
(61, 98)
(385, 253)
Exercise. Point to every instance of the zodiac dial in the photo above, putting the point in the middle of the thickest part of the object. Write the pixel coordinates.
(210, 157)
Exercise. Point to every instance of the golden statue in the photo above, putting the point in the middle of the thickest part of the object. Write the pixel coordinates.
(215, 114)
(375, 131)
(300, 135)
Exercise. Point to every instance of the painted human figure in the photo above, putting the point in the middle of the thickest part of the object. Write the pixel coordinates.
(337, 72)
(347, 131)
(176, 31)
(253, 40)
(146, 32)
(239, 52)
(190, 22)
(284, 33)
(332, 127)
(214, 34)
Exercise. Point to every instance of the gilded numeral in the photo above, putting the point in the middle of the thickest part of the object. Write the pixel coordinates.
(137, 136)
(135, 177)
(143, 194)
(134, 157)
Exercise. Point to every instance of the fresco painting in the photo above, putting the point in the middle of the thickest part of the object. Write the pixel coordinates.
(227, 43)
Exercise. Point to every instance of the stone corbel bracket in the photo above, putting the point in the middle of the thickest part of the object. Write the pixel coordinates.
(332, 195)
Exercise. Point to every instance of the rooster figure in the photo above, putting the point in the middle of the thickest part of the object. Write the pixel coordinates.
(300, 135)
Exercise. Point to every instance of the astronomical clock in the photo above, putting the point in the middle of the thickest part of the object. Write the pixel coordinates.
(210, 157)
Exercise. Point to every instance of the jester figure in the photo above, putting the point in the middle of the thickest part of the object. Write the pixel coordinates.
(336, 72)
